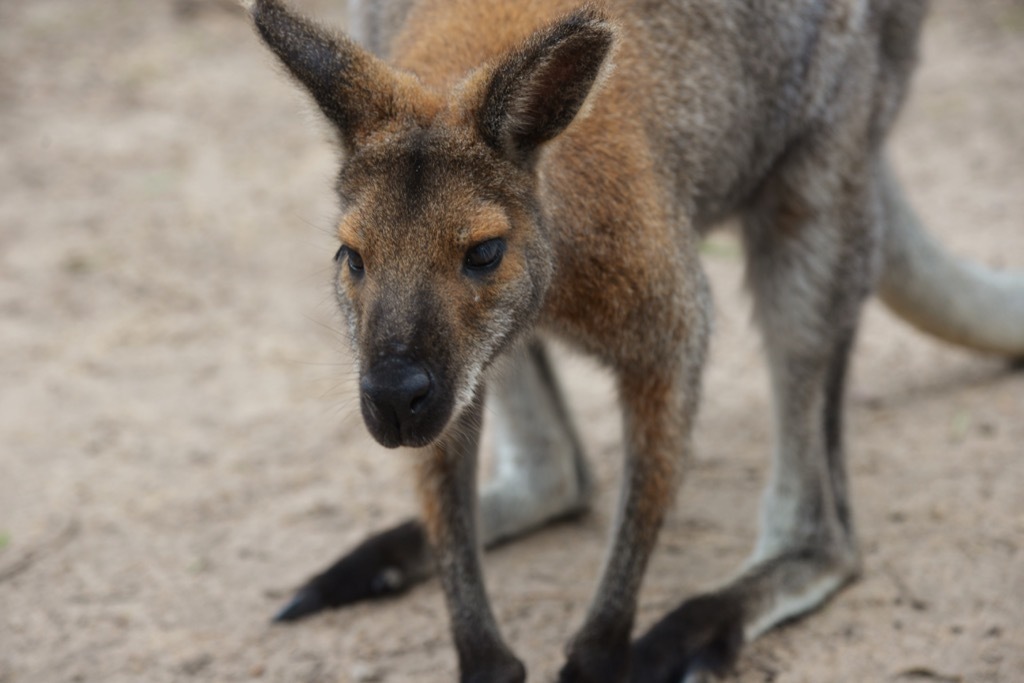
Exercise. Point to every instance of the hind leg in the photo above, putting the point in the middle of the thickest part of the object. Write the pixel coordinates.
(540, 475)
(811, 240)
(540, 472)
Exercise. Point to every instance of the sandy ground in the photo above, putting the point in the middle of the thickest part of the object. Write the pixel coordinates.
(179, 447)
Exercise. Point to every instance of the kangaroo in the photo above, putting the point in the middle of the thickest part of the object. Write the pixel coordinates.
(517, 171)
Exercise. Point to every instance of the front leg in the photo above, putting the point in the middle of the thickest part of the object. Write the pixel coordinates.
(540, 475)
(446, 480)
(659, 401)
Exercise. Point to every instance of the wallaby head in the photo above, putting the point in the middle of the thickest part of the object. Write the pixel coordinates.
(445, 258)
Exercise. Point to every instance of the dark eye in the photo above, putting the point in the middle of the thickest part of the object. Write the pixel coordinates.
(485, 256)
(355, 261)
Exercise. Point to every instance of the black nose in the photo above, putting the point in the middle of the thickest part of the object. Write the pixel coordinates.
(396, 394)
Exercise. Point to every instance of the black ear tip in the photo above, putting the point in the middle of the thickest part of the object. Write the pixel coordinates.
(589, 12)
(253, 7)
(590, 23)
(267, 12)
(256, 6)
(593, 16)
(261, 11)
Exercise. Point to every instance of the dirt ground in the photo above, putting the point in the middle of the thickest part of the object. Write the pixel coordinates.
(180, 448)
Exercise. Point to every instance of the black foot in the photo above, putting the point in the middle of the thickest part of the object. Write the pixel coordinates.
(704, 634)
(578, 672)
(509, 671)
(598, 657)
(306, 601)
(383, 565)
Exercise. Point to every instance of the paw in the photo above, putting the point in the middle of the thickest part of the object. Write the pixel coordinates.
(574, 673)
(383, 565)
(509, 671)
(699, 639)
(596, 663)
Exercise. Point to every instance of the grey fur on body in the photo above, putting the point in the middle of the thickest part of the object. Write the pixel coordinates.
(775, 112)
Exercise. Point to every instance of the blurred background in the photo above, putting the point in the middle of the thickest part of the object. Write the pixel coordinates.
(180, 448)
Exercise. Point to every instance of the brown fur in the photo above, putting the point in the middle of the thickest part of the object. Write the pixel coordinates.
(537, 166)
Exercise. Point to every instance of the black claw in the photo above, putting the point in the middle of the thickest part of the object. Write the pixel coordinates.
(383, 565)
(305, 602)
(703, 634)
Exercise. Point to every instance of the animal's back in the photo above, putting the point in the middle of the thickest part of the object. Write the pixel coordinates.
(740, 84)
(716, 90)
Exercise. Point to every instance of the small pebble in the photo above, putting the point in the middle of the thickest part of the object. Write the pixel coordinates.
(366, 673)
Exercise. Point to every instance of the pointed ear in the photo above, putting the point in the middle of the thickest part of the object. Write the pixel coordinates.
(355, 90)
(535, 92)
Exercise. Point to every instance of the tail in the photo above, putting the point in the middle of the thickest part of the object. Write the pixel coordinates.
(954, 300)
